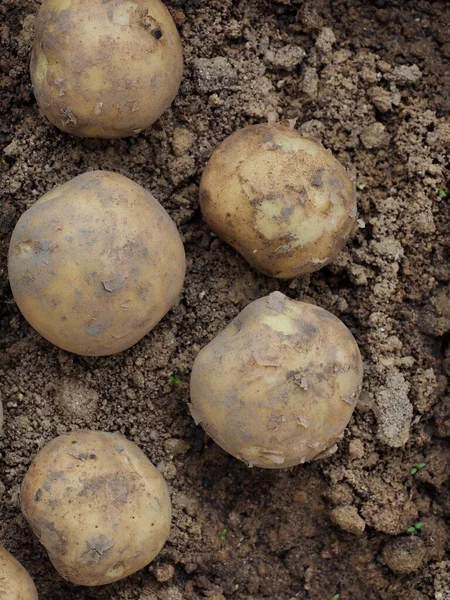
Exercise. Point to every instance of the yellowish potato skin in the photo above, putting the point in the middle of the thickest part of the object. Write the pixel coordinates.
(281, 200)
(278, 385)
(15, 583)
(98, 505)
(105, 68)
(95, 264)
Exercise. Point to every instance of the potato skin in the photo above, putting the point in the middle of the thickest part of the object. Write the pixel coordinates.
(15, 583)
(279, 384)
(95, 264)
(281, 200)
(98, 505)
(105, 69)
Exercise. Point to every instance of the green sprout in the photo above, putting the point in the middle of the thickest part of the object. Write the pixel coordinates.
(174, 381)
(335, 597)
(417, 467)
(415, 528)
(442, 193)
(223, 535)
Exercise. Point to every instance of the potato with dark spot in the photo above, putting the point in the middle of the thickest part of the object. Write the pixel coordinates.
(281, 200)
(95, 264)
(15, 583)
(105, 68)
(98, 505)
(278, 385)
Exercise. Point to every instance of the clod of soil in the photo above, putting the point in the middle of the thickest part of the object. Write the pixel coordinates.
(348, 519)
(405, 554)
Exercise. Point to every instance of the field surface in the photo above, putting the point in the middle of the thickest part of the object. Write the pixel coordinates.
(371, 81)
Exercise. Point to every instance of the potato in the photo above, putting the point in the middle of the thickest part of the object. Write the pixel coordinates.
(15, 583)
(98, 505)
(105, 69)
(278, 385)
(95, 264)
(281, 200)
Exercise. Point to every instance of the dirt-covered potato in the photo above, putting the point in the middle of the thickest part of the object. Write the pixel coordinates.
(278, 385)
(95, 264)
(15, 583)
(98, 505)
(281, 200)
(105, 68)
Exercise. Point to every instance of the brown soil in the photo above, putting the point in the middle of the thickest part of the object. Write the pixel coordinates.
(374, 87)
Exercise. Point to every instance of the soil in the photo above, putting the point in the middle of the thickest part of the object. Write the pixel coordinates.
(371, 81)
